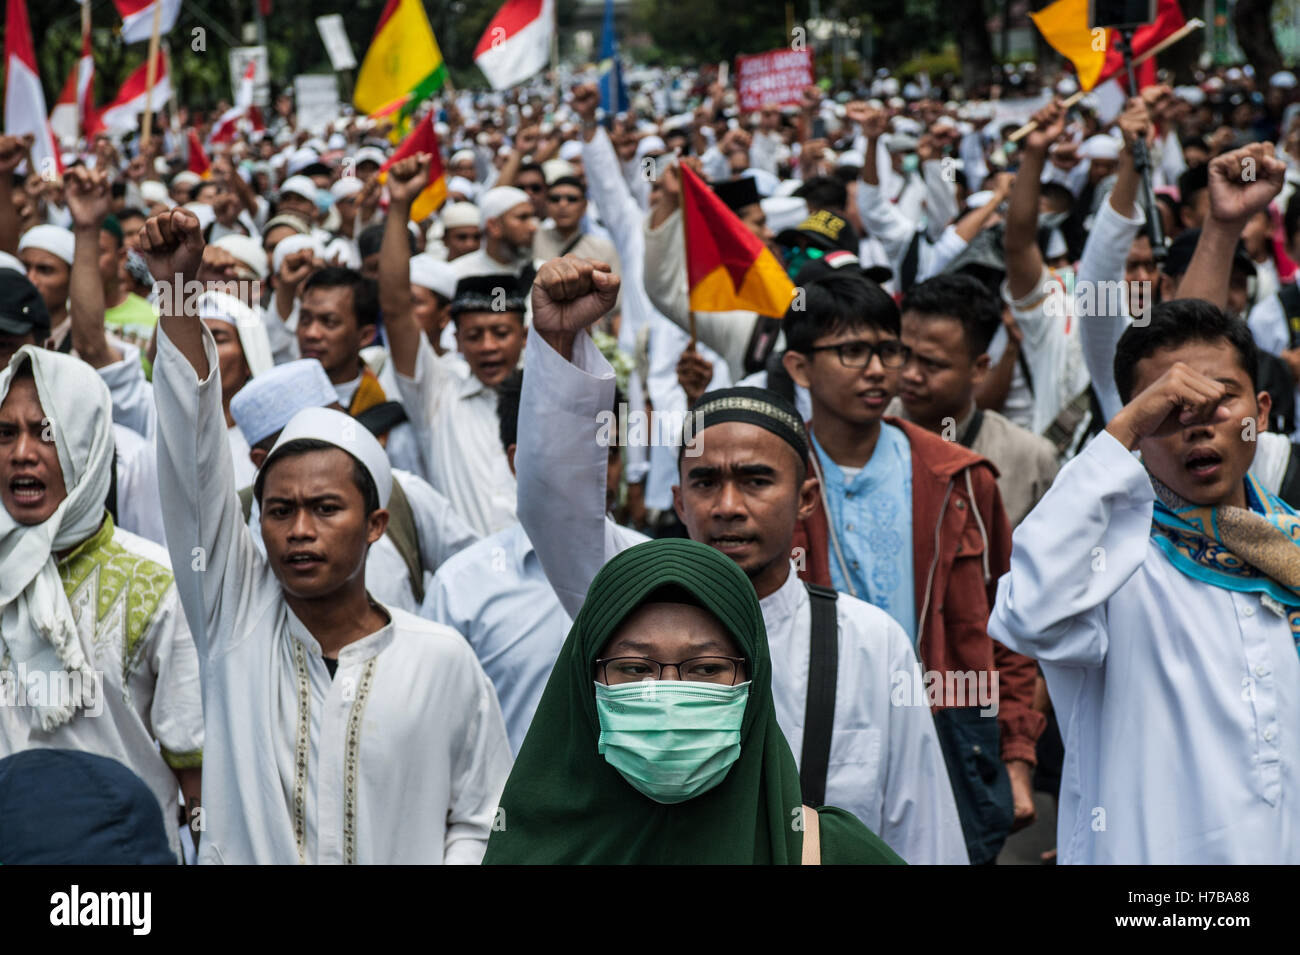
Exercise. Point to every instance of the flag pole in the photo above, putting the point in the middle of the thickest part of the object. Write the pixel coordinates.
(1188, 28)
(151, 75)
(85, 36)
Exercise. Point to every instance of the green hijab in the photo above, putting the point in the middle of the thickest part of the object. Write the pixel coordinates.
(564, 804)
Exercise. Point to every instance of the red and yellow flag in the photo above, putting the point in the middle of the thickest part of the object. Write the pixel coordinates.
(198, 158)
(727, 266)
(1094, 53)
(422, 139)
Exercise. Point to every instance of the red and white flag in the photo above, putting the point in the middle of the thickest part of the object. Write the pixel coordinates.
(137, 18)
(74, 113)
(24, 99)
(517, 43)
(122, 113)
(224, 129)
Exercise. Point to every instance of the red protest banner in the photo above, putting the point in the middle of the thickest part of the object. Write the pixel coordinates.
(776, 78)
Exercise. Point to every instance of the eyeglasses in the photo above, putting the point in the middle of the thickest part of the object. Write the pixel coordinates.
(564, 197)
(858, 353)
(618, 670)
(532, 187)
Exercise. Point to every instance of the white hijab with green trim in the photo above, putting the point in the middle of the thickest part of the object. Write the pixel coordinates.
(37, 629)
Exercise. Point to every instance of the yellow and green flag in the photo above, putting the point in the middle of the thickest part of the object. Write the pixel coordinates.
(403, 66)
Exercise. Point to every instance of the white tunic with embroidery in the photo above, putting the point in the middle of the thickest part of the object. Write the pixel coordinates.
(400, 758)
(126, 608)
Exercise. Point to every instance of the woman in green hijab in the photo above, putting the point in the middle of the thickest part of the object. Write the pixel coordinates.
(656, 740)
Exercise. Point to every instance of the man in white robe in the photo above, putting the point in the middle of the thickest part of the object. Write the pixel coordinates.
(885, 762)
(344, 731)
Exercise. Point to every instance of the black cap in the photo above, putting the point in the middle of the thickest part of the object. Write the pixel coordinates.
(1179, 255)
(491, 293)
(737, 193)
(22, 309)
(824, 230)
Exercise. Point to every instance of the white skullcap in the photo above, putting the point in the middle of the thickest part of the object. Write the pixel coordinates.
(1192, 95)
(496, 202)
(784, 212)
(978, 200)
(294, 243)
(1283, 80)
(462, 155)
(346, 433)
(248, 323)
(1067, 86)
(302, 158)
(249, 251)
(462, 186)
(347, 186)
(457, 214)
(788, 187)
(571, 150)
(1100, 147)
(343, 249)
(765, 183)
(153, 191)
(554, 169)
(650, 144)
(901, 143)
(906, 126)
(889, 86)
(370, 154)
(1233, 74)
(299, 186)
(203, 212)
(52, 239)
(268, 402)
(428, 272)
(187, 179)
(8, 261)
(337, 141)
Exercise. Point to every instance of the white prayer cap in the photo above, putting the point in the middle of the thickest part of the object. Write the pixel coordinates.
(907, 126)
(428, 272)
(370, 154)
(650, 144)
(203, 212)
(497, 202)
(457, 214)
(186, 179)
(346, 433)
(784, 212)
(347, 186)
(1192, 95)
(1067, 86)
(765, 183)
(338, 141)
(1100, 147)
(1233, 74)
(554, 169)
(249, 251)
(571, 150)
(299, 186)
(294, 243)
(462, 155)
(302, 159)
(151, 190)
(268, 402)
(912, 91)
(8, 261)
(851, 157)
(50, 238)
(901, 143)
(889, 86)
(248, 323)
(1283, 80)
(978, 200)
(345, 251)
(462, 187)
(788, 187)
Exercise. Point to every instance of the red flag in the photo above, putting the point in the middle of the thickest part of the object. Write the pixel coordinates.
(125, 109)
(74, 111)
(727, 267)
(24, 99)
(198, 158)
(422, 139)
(1169, 20)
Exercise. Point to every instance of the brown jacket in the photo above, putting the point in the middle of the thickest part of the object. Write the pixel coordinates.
(961, 545)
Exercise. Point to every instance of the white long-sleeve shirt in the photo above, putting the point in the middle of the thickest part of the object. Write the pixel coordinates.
(1179, 701)
(886, 766)
(400, 758)
(895, 229)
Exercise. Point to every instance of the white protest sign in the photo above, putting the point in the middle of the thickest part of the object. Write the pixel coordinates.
(316, 99)
(335, 37)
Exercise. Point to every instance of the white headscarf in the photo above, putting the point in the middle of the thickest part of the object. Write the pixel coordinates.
(36, 621)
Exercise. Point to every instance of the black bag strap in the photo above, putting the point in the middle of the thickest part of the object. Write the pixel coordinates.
(911, 263)
(570, 245)
(819, 710)
(762, 341)
(1290, 488)
(110, 502)
(382, 418)
(1290, 296)
(967, 440)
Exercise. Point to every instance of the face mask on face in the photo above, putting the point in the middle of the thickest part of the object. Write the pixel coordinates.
(671, 740)
(911, 162)
(324, 199)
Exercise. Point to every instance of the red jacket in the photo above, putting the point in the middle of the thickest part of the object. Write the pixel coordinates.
(956, 582)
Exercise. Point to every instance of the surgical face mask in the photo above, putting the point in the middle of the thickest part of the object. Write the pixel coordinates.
(911, 162)
(796, 258)
(324, 199)
(671, 740)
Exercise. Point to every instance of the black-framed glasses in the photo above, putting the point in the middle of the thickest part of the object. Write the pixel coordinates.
(563, 197)
(858, 353)
(532, 187)
(722, 670)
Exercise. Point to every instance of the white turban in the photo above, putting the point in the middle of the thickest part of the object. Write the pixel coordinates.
(248, 323)
(247, 250)
(345, 432)
(268, 402)
(294, 243)
(428, 272)
(51, 239)
(497, 202)
(35, 616)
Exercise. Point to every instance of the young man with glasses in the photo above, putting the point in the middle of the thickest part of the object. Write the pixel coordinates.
(566, 205)
(864, 742)
(915, 525)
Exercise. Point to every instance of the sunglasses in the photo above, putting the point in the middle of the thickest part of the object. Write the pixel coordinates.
(564, 197)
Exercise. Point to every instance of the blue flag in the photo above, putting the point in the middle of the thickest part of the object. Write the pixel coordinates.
(613, 93)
